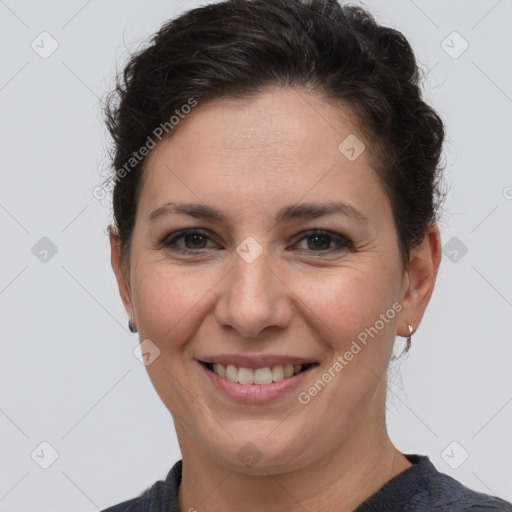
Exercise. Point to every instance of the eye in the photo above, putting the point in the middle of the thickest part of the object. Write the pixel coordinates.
(193, 238)
(319, 240)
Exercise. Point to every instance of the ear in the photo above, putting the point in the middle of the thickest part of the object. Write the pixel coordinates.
(123, 280)
(419, 280)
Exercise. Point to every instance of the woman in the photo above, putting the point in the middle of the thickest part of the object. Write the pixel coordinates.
(275, 203)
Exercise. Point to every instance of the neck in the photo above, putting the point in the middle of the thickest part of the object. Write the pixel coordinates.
(339, 481)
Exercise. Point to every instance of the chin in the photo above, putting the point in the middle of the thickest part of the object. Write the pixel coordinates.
(259, 454)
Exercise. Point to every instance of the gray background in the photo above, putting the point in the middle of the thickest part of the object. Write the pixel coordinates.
(69, 376)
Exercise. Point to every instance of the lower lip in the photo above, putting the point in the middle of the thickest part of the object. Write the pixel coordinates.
(256, 393)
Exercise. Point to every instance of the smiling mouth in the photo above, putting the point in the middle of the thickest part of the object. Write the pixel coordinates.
(260, 376)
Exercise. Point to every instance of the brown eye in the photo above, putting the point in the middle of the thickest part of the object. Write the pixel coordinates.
(322, 241)
(192, 238)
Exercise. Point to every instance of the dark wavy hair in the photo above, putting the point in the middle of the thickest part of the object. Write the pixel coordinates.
(238, 48)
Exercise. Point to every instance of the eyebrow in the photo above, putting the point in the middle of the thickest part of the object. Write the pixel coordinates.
(287, 213)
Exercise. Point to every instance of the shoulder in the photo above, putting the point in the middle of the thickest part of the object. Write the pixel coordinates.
(439, 492)
(139, 504)
(162, 495)
(449, 494)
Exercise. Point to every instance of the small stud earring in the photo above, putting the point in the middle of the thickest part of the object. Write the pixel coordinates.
(131, 326)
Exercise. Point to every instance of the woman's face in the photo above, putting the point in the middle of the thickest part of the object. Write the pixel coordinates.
(256, 288)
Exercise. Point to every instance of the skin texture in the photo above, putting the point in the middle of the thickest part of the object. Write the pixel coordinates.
(249, 158)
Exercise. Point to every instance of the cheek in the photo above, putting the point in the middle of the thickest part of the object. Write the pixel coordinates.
(167, 300)
(355, 317)
(347, 303)
(169, 303)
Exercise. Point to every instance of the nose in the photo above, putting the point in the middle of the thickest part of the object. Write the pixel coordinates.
(254, 297)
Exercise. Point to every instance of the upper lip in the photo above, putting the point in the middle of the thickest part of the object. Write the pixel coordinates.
(259, 361)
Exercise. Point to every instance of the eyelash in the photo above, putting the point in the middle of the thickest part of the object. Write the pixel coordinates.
(169, 241)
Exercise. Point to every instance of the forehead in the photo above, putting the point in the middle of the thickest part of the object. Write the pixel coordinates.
(277, 147)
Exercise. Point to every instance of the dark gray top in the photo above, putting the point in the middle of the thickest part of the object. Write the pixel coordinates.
(420, 488)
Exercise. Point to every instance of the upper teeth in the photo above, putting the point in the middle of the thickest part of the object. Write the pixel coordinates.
(265, 375)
